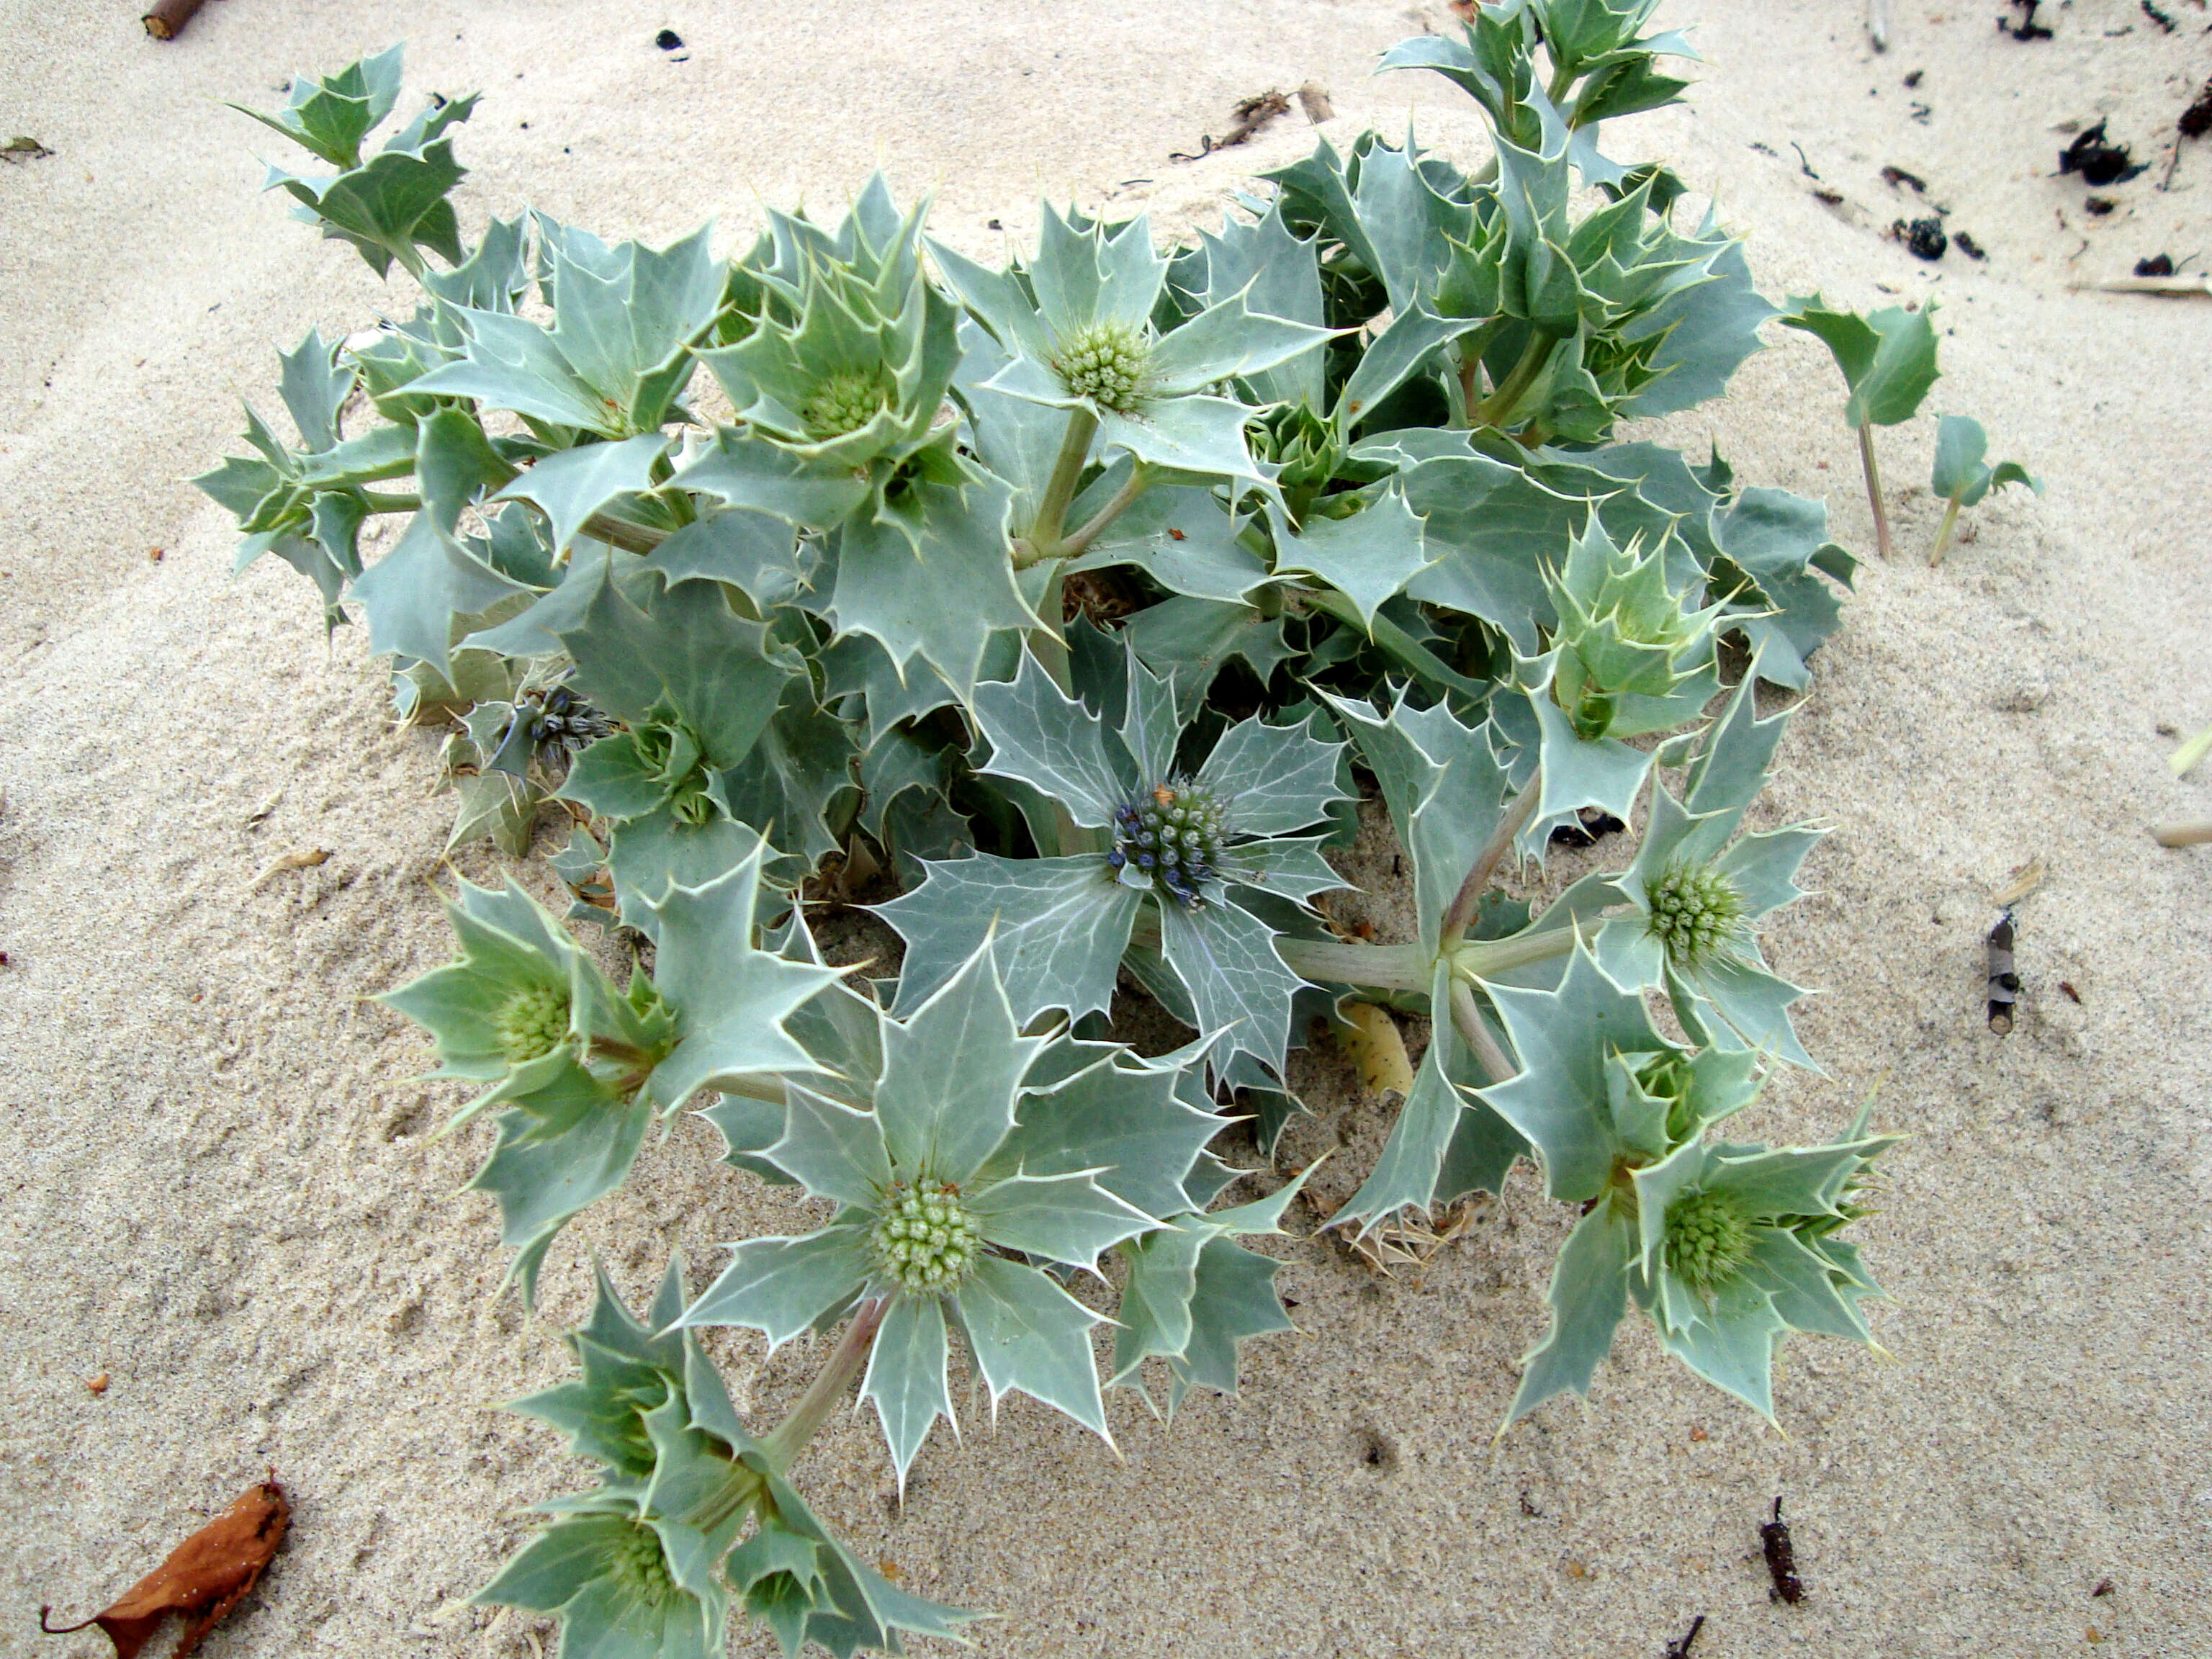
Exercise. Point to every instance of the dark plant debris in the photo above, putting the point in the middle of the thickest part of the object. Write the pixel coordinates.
(2196, 121)
(2159, 264)
(1925, 238)
(1914, 79)
(1967, 245)
(2098, 206)
(1595, 826)
(2004, 978)
(1681, 1649)
(1924, 113)
(669, 41)
(1781, 1559)
(1249, 118)
(2074, 996)
(204, 1578)
(2028, 28)
(1895, 176)
(23, 148)
(2099, 160)
(2157, 16)
(2104, 1588)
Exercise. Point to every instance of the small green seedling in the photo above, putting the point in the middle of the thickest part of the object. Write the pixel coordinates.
(1888, 361)
(1963, 477)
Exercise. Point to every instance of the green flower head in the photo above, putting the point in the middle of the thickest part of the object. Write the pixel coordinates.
(1105, 362)
(1708, 1239)
(1696, 913)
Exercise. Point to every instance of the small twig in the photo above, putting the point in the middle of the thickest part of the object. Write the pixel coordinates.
(307, 858)
(2179, 833)
(166, 18)
(1681, 1649)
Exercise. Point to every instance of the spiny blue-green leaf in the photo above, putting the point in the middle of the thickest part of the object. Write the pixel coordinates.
(1588, 1294)
(832, 1150)
(1226, 957)
(1294, 869)
(331, 114)
(1044, 739)
(753, 552)
(414, 593)
(1368, 556)
(746, 471)
(906, 1376)
(1405, 1174)
(796, 783)
(570, 485)
(1191, 641)
(1027, 1334)
(896, 576)
(1178, 535)
(1121, 1118)
(783, 1287)
(1068, 1218)
(731, 997)
(565, 1142)
(1279, 274)
(1276, 779)
(1779, 541)
(1057, 929)
(950, 1072)
(1557, 1100)
(582, 1570)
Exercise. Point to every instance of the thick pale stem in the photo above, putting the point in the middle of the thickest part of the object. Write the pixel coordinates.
(1485, 865)
(1874, 488)
(1135, 485)
(846, 1362)
(1376, 967)
(1043, 540)
(1467, 1020)
(1486, 959)
(1499, 403)
(2181, 833)
(1943, 535)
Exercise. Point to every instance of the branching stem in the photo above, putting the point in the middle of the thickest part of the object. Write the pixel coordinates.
(1373, 967)
(1467, 1020)
(1043, 540)
(846, 1362)
(1500, 402)
(1874, 488)
(1136, 484)
(1486, 863)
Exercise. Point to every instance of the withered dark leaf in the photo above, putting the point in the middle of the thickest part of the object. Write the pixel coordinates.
(204, 1578)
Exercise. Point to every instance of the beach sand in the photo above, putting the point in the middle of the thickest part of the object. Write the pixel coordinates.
(222, 1190)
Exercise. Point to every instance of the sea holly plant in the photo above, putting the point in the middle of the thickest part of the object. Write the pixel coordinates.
(1055, 621)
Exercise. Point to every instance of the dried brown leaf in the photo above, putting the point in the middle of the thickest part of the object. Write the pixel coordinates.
(204, 1578)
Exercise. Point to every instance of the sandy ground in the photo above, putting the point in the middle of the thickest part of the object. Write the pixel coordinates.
(221, 1192)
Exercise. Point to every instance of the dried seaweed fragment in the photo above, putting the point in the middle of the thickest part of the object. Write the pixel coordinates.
(204, 1578)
